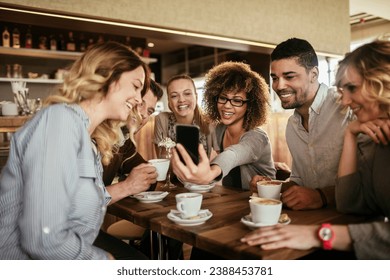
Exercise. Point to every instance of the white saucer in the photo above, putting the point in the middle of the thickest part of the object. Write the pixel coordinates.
(198, 188)
(150, 197)
(203, 216)
(247, 220)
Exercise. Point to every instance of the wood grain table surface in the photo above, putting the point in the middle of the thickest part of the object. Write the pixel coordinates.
(222, 232)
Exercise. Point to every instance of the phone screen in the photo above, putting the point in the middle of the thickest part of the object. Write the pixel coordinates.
(188, 136)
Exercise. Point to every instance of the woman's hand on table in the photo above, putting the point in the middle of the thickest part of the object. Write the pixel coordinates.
(281, 236)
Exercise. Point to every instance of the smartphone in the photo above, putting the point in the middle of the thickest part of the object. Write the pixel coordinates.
(188, 136)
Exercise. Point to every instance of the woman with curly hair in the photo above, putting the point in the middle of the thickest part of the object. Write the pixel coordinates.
(52, 196)
(237, 98)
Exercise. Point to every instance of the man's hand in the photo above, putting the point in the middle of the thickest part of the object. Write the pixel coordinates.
(301, 198)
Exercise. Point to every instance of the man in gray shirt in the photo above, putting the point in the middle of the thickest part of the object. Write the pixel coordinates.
(314, 132)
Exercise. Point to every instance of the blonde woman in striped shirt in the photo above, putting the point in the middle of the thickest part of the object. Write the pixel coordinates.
(52, 196)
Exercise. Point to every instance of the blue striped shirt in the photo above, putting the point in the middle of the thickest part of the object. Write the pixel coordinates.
(52, 196)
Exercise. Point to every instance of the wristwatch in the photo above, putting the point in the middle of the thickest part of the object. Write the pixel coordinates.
(326, 235)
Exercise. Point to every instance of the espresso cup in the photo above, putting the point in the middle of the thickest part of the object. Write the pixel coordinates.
(269, 189)
(265, 211)
(188, 204)
(9, 109)
(162, 166)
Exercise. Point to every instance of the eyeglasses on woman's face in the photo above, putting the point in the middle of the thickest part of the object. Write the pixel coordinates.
(236, 101)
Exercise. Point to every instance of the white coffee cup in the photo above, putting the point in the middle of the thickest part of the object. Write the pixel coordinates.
(188, 204)
(265, 211)
(9, 109)
(162, 166)
(269, 189)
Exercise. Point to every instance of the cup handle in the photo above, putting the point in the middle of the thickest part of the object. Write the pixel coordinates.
(180, 207)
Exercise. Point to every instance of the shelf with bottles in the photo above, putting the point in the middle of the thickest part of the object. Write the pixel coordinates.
(63, 55)
(41, 64)
(48, 42)
(40, 51)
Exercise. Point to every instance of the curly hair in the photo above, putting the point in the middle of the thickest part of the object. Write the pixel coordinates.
(199, 117)
(90, 76)
(235, 77)
(372, 62)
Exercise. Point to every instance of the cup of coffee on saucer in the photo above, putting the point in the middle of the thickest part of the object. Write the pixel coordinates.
(162, 166)
(265, 211)
(269, 189)
(188, 204)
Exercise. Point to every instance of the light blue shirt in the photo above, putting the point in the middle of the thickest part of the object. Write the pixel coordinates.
(316, 154)
(52, 196)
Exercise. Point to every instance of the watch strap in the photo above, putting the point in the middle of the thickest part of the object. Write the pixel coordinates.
(326, 235)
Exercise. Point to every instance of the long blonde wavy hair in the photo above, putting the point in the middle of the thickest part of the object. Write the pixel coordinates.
(372, 62)
(90, 77)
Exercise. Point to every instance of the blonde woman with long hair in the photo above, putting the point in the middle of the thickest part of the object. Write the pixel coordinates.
(52, 196)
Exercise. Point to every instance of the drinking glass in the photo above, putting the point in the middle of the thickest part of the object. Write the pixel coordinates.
(167, 153)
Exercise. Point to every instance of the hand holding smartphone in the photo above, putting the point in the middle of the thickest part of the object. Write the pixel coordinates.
(188, 136)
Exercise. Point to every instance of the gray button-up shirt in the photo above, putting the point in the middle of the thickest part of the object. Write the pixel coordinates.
(52, 196)
(316, 154)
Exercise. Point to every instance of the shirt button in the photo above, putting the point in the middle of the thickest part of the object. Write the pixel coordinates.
(104, 208)
(46, 230)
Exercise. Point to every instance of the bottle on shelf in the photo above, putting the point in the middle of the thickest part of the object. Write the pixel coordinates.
(61, 43)
(70, 45)
(146, 53)
(53, 43)
(139, 50)
(28, 42)
(83, 43)
(128, 41)
(17, 71)
(90, 43)
(9, 73)
(42, 42)
(6, 37)
(100, 39)
(16, 38)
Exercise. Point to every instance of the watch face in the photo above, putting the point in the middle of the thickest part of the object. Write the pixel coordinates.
(326, 234)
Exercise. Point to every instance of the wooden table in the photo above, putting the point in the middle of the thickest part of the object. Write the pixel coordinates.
(222, 232)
